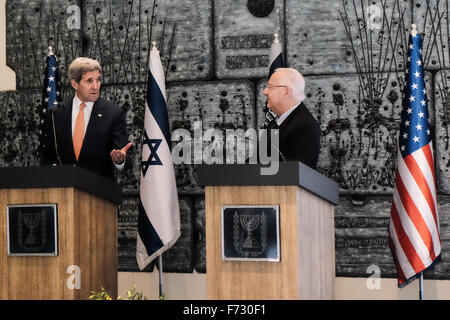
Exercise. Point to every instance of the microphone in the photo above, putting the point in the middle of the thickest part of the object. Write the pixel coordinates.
(270, 122)
(269, 119)
(52, 110)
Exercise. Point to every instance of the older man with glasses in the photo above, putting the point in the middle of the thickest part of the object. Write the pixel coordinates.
(299, 131)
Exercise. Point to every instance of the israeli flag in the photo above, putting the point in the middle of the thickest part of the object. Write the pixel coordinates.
(275, 61)
(276, 56)
(159, 213)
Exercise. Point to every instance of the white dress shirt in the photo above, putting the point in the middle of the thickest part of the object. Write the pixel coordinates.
(283, 117)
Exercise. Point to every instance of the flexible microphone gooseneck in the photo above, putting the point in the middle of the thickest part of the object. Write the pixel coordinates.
(54, 137)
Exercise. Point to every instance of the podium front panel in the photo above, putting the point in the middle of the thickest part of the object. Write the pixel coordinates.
(306, 266)
(87, 248)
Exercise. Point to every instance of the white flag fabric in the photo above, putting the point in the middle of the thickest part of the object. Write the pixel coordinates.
(275, 61)
(159, 213)
(276, 57)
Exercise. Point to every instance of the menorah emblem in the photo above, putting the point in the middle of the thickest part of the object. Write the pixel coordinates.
(247, 232)
(27, 229)
(31, 220)
(250, 223)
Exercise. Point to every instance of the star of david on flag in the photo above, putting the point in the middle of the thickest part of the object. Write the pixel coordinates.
(153, 159)
(414, 226)
(159, 213)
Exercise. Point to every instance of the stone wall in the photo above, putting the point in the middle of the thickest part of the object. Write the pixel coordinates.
(215, 55)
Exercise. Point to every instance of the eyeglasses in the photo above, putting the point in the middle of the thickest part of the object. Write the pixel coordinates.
(271, 87)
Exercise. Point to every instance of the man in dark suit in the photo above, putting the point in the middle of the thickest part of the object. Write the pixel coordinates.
(89, 131)
(299, 132)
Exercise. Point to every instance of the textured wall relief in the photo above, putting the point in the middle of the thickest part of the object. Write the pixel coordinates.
(19, 119)
(128, 220)
(318, 36)
(442, 96)
(208, 105)
(359, 135)
(31, 27)
(432, 19)
(243, 34)
(361, 237)
(119, 35)
(179, 258)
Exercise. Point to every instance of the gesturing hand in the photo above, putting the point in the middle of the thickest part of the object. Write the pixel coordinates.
(118, 156)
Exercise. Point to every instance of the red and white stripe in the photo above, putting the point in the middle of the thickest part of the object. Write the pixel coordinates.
(414, 227)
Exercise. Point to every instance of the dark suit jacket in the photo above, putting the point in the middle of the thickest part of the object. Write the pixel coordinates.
(106, 131)
(300, 137)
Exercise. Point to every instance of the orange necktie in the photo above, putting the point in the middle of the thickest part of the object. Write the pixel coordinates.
(78, 131)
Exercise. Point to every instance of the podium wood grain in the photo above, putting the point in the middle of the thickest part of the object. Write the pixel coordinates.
(307, 266)
(87, 238)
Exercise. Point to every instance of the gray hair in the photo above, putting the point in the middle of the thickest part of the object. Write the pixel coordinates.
(80, 66)
(295, 80)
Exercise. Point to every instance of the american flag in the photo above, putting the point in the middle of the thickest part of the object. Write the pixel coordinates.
(414, 226)
(51, 95)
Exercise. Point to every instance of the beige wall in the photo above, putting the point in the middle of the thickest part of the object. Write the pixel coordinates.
(193, 287)
(177, 286)
(7, 76)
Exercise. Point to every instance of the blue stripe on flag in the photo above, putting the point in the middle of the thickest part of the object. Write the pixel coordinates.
(277, 63)
(147, 233)
(157, 105)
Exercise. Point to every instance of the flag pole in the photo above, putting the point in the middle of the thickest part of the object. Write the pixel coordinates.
(161, 285)
(421, 286)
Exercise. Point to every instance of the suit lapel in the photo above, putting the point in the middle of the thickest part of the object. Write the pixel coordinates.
(93, 125)
(67, 127)
(288, 120)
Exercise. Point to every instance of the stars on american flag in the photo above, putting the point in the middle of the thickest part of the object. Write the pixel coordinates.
(414, 127)
(51, 95)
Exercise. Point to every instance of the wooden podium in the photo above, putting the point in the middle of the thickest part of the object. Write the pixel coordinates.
(306, 199)
(86, 233)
